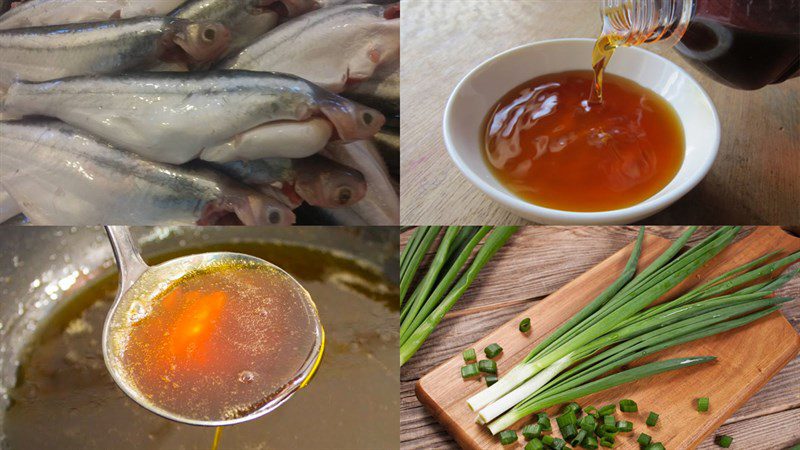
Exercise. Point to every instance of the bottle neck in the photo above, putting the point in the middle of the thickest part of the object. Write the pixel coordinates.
(637, 22)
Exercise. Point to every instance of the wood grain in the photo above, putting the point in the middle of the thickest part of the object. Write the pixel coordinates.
(753, 181)
(419, 429)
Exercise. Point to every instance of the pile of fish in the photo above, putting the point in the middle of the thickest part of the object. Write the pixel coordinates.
(175, 112)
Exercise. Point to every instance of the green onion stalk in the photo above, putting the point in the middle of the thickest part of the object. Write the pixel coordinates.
(619, 326)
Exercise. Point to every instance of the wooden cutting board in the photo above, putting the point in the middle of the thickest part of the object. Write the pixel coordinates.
(746, 357)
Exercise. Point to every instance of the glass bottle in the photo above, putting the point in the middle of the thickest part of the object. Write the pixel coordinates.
(745, 44)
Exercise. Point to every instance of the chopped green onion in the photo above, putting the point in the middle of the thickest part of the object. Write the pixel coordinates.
(572, 406)
(490, 379)
(656, 446)
(548, 440)
(469, 371)
(607, 410)
(644, 440)
(652, 419)
(606, 441)
(623, 426)
(587, 423)
(609, 420)
(627, 405)
(508, 437)
(591, 410)
(558, 444)
(724, 441)
(566, 419)
(702, 404)
(590, 443)
(532, 431)
(568, 431)
(487, 366)
(469, 355)
(544, 421)
(575, 441)
(534, 444)
(492, 350)
(525, 325)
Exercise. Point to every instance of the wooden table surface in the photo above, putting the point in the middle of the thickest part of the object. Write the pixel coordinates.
(753, 181)
(555, 256)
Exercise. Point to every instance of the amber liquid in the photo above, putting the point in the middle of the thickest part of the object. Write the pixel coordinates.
(219, 344)
(546, 143)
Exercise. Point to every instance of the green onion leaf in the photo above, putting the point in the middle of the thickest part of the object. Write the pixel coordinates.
(469, 371)
(558, 444)
(574, 407)
(587, 423)
(652, 419)
(644, 440)
(490, 379)
(575, 441)
(607, 441)
(724, 441)
(534, 444)
(548, 440)
(544, 421)
(623, 426)
(702, 404)
(492, 350)
(532, 431)
(487, 366)
(525, 325)
(656, 446)
(608, 409)
(508, 437)
(590, 443)
(627, 405)
(469, 355)
(566, 419)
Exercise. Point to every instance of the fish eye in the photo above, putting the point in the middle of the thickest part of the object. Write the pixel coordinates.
(367, 118)
(209, 34)
(344, 195)
(274, 217)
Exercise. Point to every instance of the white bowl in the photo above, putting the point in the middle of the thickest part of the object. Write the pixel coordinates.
(477, 93)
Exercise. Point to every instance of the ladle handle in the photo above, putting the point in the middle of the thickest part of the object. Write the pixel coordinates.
(130, 262)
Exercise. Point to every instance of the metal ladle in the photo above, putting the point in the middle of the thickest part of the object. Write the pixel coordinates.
(137, 280)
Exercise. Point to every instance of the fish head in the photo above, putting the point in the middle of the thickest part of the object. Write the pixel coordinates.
(203, 42)
(250, 209)
(380, 47)
(331, 186)
(285, 8)
(351, 120)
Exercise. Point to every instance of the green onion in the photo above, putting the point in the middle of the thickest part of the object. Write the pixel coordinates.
(572, 406)
(421, 314)
(427, 236)
(469, 371)
(590, 443)
(608, 409)
(644, 440)
(591, 410)
(525, 325)
(724, 441)
(544, 421)
(568, 431)
(624, 426)
(548, 440)
(469, 355)
(587, 423)
(492, 350)
(652, 419)
(580, 437)
(606, 441)
(656, 446)
(532, 431)
(627, 405)
(508, 437)
(490, 379)
(567, 418)
(558, 444)
(534, 444)
(702, 404)
(487, 366)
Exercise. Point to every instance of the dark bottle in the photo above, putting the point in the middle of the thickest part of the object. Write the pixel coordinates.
(745, 44)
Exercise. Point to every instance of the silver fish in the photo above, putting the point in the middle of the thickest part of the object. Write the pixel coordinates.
(217, 116)
(381, 92)
(8, 206)
(38, 13)
(246, 19)
(51, 52)
(381, 205)
(329, 47)
(62, 176)
(317, 180)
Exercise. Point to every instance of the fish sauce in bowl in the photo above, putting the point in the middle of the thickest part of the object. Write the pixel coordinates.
(550, 144)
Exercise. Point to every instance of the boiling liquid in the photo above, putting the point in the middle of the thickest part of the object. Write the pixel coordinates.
(548, 145)
(220, 343)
